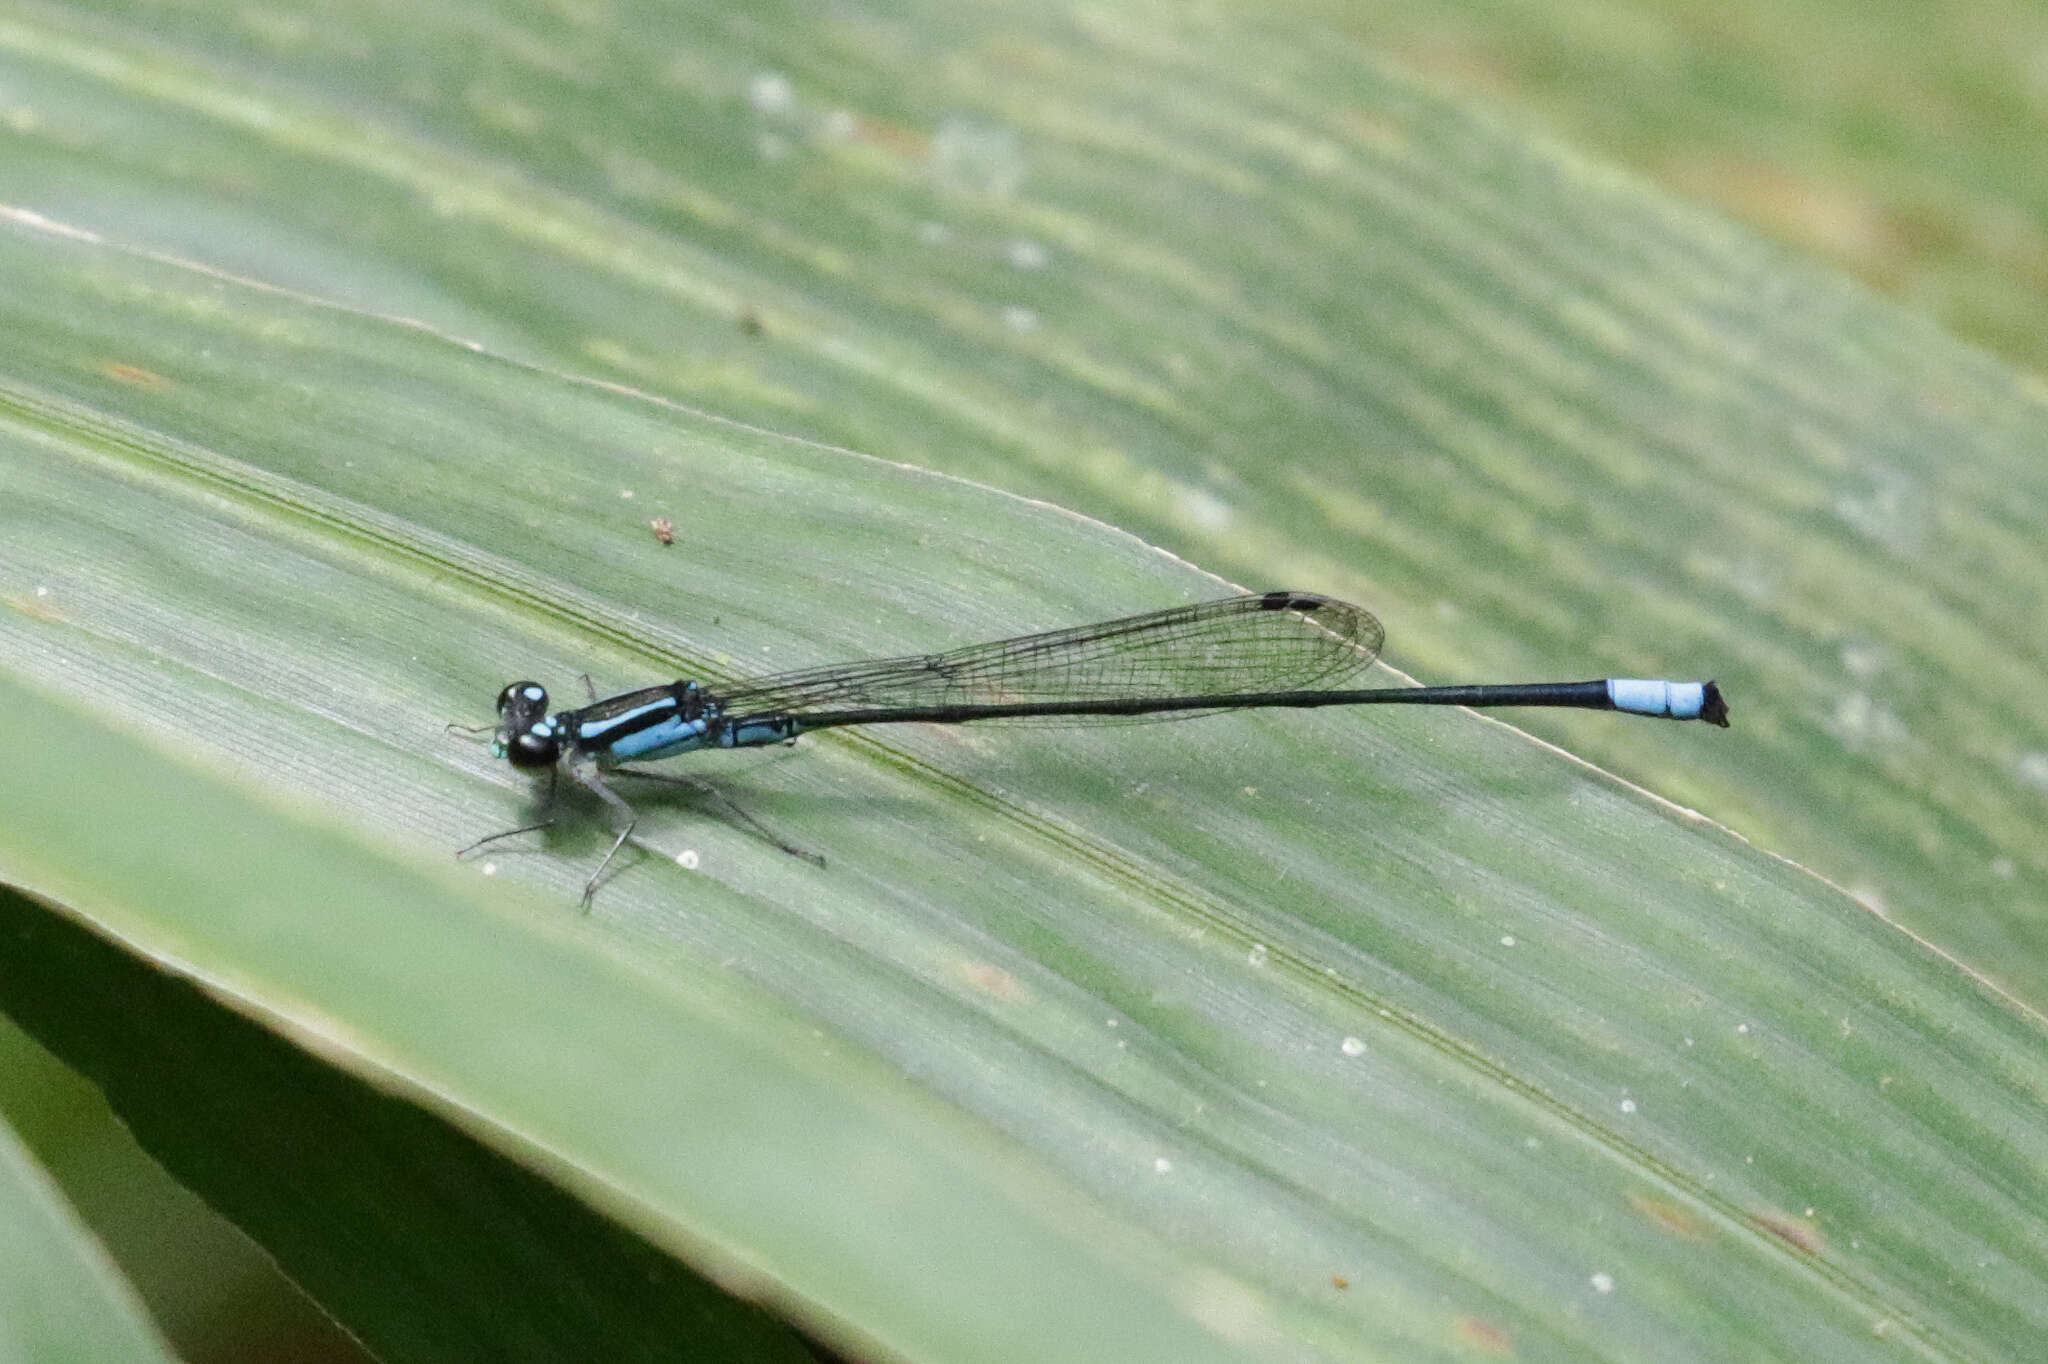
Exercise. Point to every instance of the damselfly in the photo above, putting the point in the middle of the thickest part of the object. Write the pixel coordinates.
(1263, 650)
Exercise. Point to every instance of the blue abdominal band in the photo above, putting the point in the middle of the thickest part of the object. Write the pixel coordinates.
(1679, 700)
(769, 730)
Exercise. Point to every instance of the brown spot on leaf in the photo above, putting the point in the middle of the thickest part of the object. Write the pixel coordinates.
(1478, 1333)
(135, 376)
(993, 980)
(1668, 1216)
(1797, 1232)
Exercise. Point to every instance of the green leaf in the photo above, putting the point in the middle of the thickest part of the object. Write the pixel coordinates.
(60, 1299)
(1901, 158)
(1221, 280)
(1262, 1035)
(413, 1231)
(1281, 1036)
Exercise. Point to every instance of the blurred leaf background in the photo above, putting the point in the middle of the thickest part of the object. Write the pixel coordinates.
(1279, 293)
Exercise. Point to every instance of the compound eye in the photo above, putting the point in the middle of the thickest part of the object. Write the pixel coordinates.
(525, 698)
(529, 749)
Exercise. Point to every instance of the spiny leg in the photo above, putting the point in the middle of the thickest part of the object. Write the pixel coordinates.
(587, 774)
(739, 815)
(548, 804)
(493, 838)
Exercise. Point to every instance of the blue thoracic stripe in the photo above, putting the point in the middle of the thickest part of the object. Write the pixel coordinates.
(657, 729)
(665, 739)
(602, 733)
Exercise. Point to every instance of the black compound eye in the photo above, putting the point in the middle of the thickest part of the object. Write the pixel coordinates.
(523, 698)
(533, 750)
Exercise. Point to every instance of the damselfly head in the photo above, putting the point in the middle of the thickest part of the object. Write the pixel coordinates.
(526, 733)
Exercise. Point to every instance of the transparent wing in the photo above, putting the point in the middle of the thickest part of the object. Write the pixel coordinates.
(1272, 641)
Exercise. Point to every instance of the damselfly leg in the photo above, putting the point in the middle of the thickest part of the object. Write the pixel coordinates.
(732, 808)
